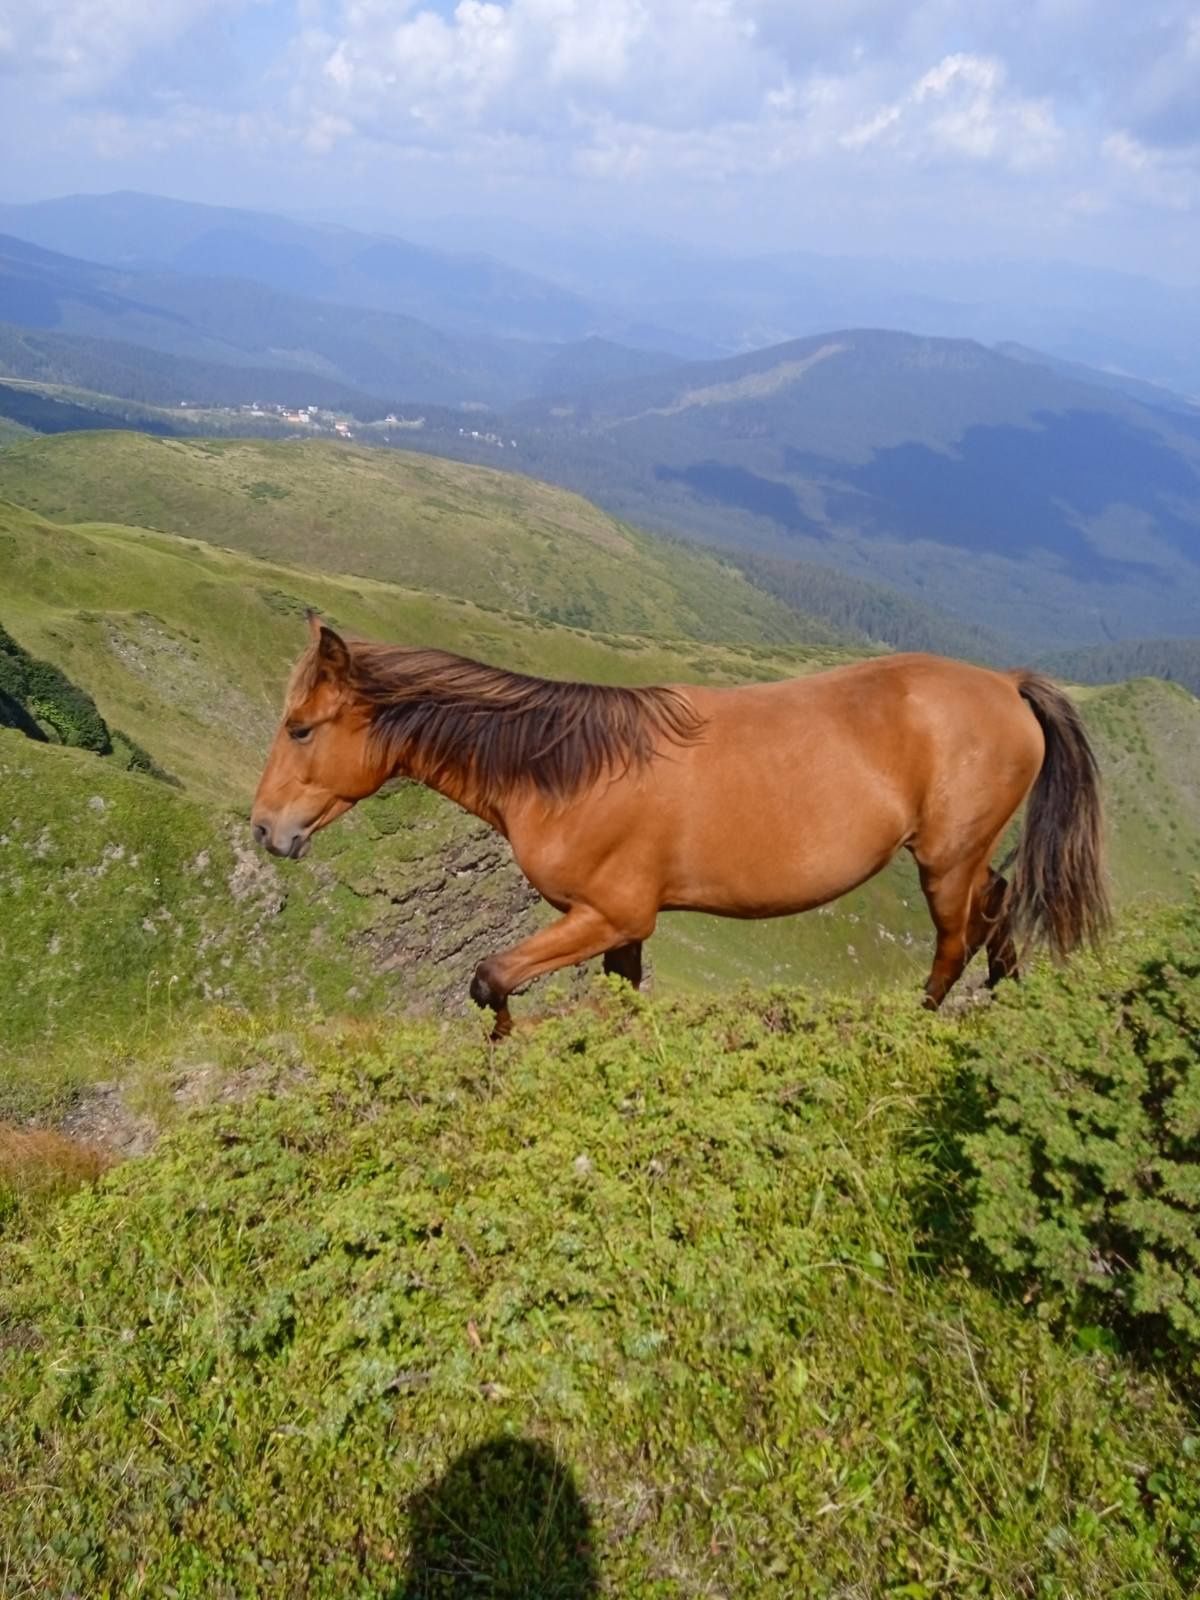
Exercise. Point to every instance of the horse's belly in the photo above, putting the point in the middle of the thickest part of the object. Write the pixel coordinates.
(768, 865)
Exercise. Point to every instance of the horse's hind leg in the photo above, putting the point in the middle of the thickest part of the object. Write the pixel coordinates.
(964, 902)
(967, 907)
(626, 962)
(994, 931)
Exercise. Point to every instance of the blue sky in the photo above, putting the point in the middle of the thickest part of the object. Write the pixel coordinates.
(1037, 128)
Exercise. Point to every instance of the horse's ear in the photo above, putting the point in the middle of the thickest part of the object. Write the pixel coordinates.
(333, 653)
(313, 618)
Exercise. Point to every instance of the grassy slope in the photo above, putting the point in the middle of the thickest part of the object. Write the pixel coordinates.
(13, 432)
(188, 644)
(1147, 734)
(647, 1300)
(491, 537)
(645, 1304)
(124, 901)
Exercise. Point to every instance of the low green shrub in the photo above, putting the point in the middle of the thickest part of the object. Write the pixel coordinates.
(628, 1306)
(13, 713)
(1087, 1174)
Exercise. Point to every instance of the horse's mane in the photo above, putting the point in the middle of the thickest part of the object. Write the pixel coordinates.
(501, 729)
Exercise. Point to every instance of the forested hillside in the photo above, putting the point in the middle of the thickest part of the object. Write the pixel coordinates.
(1012, 495)
(874, 611)
(1175, 660)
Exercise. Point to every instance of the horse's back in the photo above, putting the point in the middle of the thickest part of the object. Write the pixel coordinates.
(909, 711)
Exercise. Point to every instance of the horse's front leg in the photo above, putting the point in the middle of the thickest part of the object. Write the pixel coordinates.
(584, 932)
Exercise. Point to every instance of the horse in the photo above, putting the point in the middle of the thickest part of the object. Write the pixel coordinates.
(757, 800)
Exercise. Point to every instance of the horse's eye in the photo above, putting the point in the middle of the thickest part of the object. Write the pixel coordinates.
(300, 735)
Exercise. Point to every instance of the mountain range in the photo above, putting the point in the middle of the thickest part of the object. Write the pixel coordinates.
(242, 322)
(465, 292)
(1008, 491)
(1118, 322)
(501, 277)
(1044, 502)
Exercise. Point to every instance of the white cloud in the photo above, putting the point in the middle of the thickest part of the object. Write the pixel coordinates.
(1039, 116)
(640, 88)
(962, 108)
(1167, 178)
(81, 47)
(554, 67)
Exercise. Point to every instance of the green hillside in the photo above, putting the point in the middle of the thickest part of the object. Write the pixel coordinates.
(125, 905)
(495, 538)
(655, 1301)
(186, 646)
(725, 1291)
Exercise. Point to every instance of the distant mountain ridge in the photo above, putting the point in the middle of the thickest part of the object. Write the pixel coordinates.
(638, 291)
(736, 299)
(240, 322)
(158, 378)
(1001, 490)
(467, 293)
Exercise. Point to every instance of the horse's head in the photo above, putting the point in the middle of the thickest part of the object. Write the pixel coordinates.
(322, 759)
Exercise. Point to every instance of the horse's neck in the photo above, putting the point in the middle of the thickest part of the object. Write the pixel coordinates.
(455, 785)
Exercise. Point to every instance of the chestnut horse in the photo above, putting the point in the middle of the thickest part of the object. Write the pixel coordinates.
(754, 801)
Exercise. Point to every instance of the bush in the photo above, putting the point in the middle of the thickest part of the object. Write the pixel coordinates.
(14, 715)
(1086, 1175)
(50, 698)
(38, 1165)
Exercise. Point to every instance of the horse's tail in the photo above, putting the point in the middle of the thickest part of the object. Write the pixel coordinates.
(1057, 891)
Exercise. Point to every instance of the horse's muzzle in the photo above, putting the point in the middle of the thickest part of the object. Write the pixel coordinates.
(291, 846)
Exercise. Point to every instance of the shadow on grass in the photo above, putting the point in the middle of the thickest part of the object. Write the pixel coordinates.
(503, 1522)
(943, 1200)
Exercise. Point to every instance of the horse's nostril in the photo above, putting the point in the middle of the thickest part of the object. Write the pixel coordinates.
(259, 830)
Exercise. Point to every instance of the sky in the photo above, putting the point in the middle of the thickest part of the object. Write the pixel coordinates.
(1025, 128)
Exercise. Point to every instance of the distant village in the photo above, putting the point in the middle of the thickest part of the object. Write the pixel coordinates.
(317, 419)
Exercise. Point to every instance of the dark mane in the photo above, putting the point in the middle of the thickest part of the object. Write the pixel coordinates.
(502, 728)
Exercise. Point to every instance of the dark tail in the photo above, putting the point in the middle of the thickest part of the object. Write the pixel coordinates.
(1057, 891)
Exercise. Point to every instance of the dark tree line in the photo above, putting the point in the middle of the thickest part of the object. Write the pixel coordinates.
(1176, 660)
